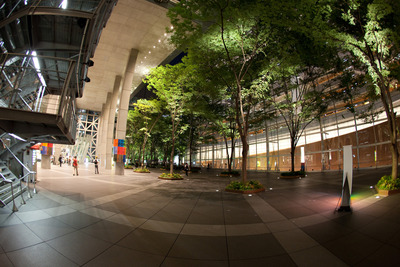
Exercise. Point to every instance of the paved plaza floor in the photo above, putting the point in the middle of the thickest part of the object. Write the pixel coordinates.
(139, 220)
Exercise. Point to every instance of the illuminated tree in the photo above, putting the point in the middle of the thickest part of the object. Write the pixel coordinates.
(233, 36)
(147, 113)
(171, 84)
(369, 30)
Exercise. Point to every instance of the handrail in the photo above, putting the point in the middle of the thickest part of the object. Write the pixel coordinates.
(28, 176)
(15, 157)
(14, 209)
(5, 179)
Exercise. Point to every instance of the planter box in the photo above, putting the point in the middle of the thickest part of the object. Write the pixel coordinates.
(291, 176)
(383, 192)
(229, 175)
(245, 191)
(295, 175)
(159, 177)
(140, 172)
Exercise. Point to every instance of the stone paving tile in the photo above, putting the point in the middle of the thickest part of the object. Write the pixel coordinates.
(152, 242)
(199, 248)
(39, 255)
(109, 220)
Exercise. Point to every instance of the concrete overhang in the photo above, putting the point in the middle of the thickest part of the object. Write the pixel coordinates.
(133, 24)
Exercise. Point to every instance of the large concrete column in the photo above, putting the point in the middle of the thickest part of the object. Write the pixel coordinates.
(101, 151)
(104, 125)
(124, 103)
(45, 163)
(111, 119)
(99, 147)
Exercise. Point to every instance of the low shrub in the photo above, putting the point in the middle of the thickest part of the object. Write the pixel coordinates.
(169, 176)
(387, 183)
(250, 185)
(128, 167)
(141, 170)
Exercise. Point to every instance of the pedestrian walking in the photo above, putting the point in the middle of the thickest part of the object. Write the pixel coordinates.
(186, 168)
(60, 160)
(75, 165)
(96, 166)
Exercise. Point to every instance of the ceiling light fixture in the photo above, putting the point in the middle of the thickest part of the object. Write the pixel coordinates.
(17, 137)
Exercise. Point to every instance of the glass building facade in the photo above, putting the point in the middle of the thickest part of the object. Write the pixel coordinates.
(319, 148)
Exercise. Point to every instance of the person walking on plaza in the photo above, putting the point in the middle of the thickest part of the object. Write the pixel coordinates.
(96, 166)
(186, 169)
(75, 165)
(60, 160)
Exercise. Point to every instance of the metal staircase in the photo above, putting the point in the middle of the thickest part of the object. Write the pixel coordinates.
(45, 51)
(12, 186)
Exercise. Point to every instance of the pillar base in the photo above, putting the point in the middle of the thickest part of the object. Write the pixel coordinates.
(45, 163)
(119, 168)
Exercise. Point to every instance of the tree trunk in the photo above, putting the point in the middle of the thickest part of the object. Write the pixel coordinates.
(392, 124)
(227, 154)
(190, 160)
(143, 150)
(245, 152)
(171, 159)
(232, 152)
(394, 148)
(387, 102)
(292, 152)
(140, 153)
(191, 137)
(395, 160)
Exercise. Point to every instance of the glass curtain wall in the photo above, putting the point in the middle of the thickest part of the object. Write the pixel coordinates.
(322, 142)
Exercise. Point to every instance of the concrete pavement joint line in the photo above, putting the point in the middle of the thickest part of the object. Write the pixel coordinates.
(85, 206)
(97, 201)
(293, 240)
(266, 212)
(154, 225)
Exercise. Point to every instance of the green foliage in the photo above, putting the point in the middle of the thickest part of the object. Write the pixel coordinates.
(171, 176)
(230, 39)
(142, 170)
(387, 183)
(174, 86)
(250, 185)
(359, 26)
(369, 31)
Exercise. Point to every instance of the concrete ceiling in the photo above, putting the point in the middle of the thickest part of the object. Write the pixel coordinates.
(134, 24)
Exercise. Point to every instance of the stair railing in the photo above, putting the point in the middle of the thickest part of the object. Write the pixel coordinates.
(14, 209)
(30, 176)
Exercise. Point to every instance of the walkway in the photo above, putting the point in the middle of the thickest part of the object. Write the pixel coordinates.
(139, 220)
